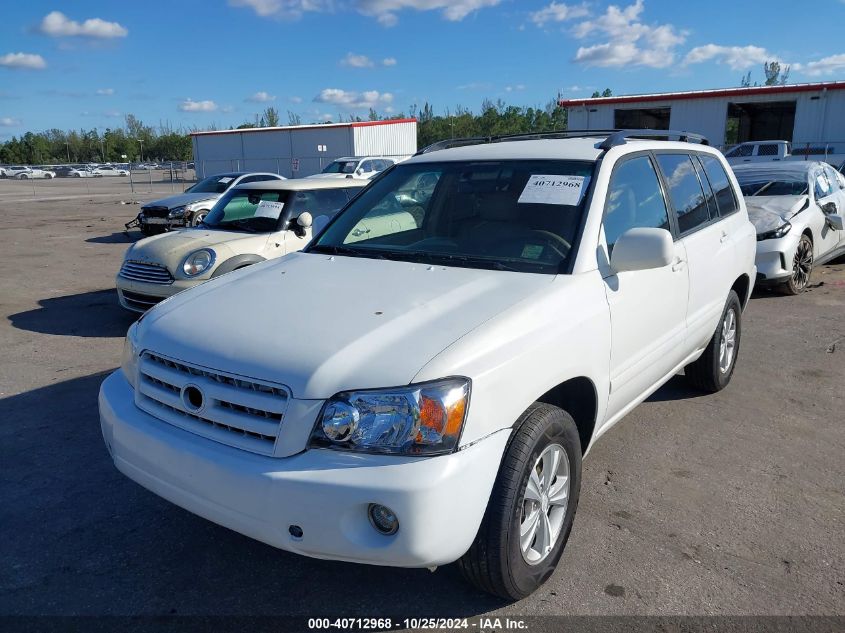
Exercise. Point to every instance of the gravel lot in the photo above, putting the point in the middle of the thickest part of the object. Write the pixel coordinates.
(725, 504)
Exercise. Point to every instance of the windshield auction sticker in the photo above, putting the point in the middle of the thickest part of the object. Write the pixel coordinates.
(544, 189)
(268, 209)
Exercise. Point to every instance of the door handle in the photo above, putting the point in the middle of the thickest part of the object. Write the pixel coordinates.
(724, 238)
(679, 264)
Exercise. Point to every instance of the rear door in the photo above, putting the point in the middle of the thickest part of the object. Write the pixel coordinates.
(827, 192)
(707, 240)
(647, 307)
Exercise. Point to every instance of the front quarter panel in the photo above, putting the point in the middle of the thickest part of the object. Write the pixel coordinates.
(522, 353)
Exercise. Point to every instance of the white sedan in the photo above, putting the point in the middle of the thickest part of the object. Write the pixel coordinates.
(32, 172)
(797, 208)
(108, 170)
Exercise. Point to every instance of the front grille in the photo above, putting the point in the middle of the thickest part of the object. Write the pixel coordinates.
(240, 412)
(155, 212)
(139, 301)
(148, 273)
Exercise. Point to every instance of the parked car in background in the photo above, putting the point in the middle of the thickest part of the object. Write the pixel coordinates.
(759, 152)
(424, 392)
(67, 171)
(12, 171)
(355, 167)
(797, 209)
(108, 170)
(27, 173)
(251, 223)
(191, 207)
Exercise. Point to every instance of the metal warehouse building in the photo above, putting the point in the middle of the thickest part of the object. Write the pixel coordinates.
(300, 150)
(811, 116)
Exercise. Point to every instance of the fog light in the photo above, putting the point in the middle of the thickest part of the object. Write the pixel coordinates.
(383, 519)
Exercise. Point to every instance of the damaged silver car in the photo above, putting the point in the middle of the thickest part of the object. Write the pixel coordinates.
(797, 209)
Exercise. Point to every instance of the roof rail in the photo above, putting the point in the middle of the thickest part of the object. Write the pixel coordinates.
(613, 137)
(620, 137)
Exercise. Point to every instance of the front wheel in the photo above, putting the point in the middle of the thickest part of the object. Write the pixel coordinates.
(802, 268)
(714, 368)
(531, 508)
(197, 217)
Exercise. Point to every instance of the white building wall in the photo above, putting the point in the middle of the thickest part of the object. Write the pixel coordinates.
(397, 140)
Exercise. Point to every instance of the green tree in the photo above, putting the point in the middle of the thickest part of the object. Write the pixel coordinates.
(776, 75)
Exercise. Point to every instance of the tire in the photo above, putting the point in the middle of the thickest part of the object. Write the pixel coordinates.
(22, 177)
(495, 562)
(802, 268)
(197, 217)
(714, 368)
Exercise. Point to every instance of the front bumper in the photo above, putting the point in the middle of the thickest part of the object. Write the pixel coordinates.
(774, 258)
(139, 296)
(439, 501)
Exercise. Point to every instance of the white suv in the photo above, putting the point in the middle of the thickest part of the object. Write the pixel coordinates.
(420, 384)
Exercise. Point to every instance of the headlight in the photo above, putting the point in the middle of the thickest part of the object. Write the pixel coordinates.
(775, 234)
(129, 360)
(177, 212)
(198, 262)
(422, 419)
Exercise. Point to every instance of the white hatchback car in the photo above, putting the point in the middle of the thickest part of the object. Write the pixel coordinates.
(419, 385)
(355, 167)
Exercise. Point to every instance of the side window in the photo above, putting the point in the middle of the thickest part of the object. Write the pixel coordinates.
(684, 190)
(721, 185)
(821, 184)
(367, 166)
(831, 177)
(767, 149)
(740, 151)
(634, 199)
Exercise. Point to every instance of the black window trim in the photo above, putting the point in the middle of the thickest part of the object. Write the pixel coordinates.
(700, 156)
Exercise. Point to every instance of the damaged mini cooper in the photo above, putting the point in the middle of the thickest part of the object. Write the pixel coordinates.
(419, 385)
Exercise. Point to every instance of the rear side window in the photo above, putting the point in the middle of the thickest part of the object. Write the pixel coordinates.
(740, 151)
(721, 185)
(634, 200)
(709, 198)
(685, 191)
(767, 149)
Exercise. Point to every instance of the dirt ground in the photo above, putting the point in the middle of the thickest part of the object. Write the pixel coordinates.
(693, 505)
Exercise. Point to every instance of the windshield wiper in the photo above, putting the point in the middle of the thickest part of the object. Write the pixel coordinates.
(330, 249)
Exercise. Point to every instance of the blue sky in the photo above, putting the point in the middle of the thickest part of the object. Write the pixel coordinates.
(200, 62)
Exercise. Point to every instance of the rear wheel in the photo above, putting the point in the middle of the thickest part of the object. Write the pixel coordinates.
(802, 268)
(714, 368)
(531, 508)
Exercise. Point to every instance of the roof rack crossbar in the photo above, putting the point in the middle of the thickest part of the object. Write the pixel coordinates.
(612, 138)
(620, 137)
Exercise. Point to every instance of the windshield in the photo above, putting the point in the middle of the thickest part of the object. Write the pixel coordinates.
(341, 167)
(250, 211)
(756, 183)
(519, 216)
(213, 184)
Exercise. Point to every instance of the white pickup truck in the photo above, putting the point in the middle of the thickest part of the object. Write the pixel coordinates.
(759, 151)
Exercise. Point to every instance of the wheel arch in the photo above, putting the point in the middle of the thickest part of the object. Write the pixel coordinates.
(238, 261)
(742, 287)
(579, 398)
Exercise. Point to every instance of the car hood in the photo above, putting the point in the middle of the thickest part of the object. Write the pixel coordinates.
(170, 249)
(320, 324)
(336, 176)
(769, 212)
(181, 199)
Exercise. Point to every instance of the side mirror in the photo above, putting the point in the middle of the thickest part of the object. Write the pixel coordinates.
(360, 171)
(829, 208)
(836, 222)
(642, 249)
(304, 220)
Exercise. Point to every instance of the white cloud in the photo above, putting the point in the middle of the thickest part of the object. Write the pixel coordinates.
(354, 100)
(518, 87)
(825, 66)
(736, 57)
(57, 24)
(630, 41)
(23, 60)
(227, 109)
(389, 61)
(476, 85)
(105, 92)
(261, 97)
(384, 11)
(189, 105)
(559, 12)
(295, 99)
(7, 121)
(356, 61)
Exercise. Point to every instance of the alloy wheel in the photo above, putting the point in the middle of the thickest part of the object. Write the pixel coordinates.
(727, 345)
(544, 504)
(802, 264)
